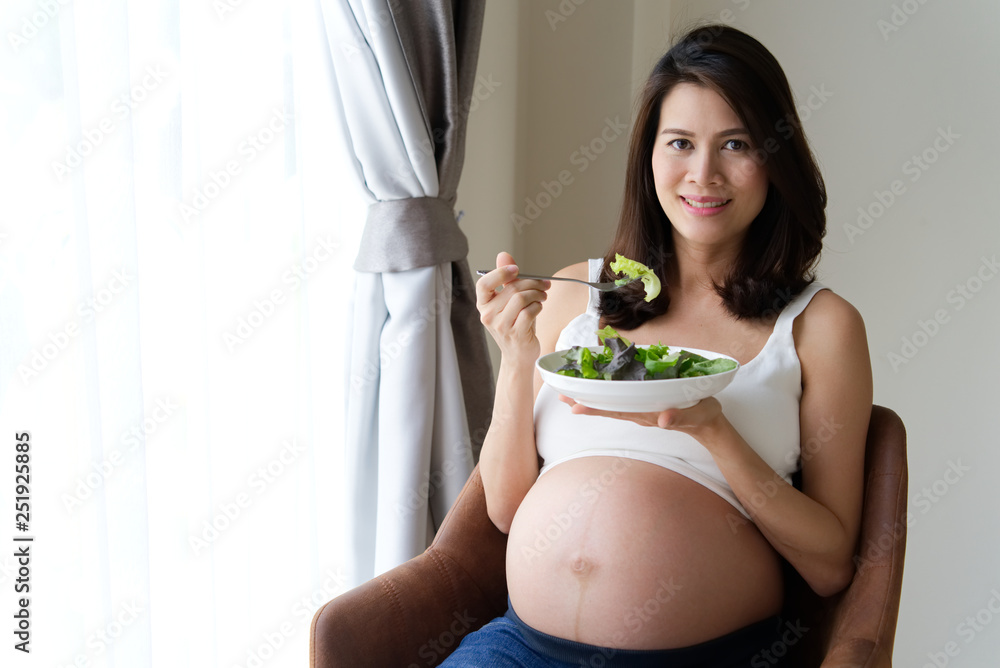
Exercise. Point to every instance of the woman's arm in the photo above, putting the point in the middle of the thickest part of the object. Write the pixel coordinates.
(816, 529)
(523, 330)
(833, 416)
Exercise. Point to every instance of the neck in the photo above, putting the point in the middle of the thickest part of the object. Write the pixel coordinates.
(700, 268)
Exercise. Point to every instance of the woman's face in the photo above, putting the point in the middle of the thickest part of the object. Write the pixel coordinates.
(707, 181)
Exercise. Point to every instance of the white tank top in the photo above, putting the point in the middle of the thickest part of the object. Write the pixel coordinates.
(762, 403)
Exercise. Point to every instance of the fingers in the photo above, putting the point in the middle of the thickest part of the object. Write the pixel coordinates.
(641, 419)
(486, 287)
(514, 293)
(507, 305)
(501, 288)
(671, 418)
(505, 272)
(518, 303)
(511, 319)
(580, 409)
(668, 419)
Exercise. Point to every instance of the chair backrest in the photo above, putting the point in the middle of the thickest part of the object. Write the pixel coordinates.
(858, 625)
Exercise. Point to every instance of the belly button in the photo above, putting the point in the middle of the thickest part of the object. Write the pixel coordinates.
(580, 565)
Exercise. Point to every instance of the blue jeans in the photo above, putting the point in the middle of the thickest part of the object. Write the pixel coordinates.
(507, 642)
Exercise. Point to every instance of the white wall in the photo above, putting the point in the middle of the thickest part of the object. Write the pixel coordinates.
(892, 94)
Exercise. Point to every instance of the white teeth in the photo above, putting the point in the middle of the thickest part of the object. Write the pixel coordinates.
(703, 205)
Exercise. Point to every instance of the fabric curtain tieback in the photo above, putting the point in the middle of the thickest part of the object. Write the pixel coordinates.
(405, 234)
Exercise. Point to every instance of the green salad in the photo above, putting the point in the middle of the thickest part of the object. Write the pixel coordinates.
(623, 360)
(634, 270)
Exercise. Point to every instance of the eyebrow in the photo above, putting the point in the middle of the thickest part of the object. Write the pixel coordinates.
(688, 133)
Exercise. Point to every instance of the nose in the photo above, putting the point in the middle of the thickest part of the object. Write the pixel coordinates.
(703, 167)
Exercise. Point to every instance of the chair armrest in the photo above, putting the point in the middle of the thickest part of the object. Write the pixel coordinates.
(864, 622)
(858, 653)
(418, 612)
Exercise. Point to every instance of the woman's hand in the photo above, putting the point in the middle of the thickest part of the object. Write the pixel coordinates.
(699, 421)
(509, 314)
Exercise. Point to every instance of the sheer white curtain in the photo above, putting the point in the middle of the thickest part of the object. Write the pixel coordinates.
(173, 281)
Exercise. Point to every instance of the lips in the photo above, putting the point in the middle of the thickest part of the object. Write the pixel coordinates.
(705, 202)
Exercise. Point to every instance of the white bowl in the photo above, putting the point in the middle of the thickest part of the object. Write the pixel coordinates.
(634, 396)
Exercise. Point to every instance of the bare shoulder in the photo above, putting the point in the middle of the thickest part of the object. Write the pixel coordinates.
(831, 342)
(580, 270)
(565, 301)
(828, 323)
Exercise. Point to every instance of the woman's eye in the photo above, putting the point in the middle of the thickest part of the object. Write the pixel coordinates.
(737, 145)
(680, 144)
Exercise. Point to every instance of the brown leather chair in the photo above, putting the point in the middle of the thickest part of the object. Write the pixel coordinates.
(417, 613)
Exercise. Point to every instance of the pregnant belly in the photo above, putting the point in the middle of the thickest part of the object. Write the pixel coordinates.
(626, 554)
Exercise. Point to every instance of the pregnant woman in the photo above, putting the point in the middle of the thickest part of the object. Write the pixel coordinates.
(656, 539)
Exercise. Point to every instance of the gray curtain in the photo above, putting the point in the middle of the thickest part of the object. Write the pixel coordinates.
(420, 388)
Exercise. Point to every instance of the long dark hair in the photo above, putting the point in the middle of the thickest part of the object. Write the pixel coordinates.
(784, 241)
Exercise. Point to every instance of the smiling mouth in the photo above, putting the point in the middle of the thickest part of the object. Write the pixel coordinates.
(706, 205)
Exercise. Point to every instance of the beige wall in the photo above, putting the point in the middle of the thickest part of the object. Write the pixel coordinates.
(901, 78)
(573, 90)
(578, 97)
(491, 172)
